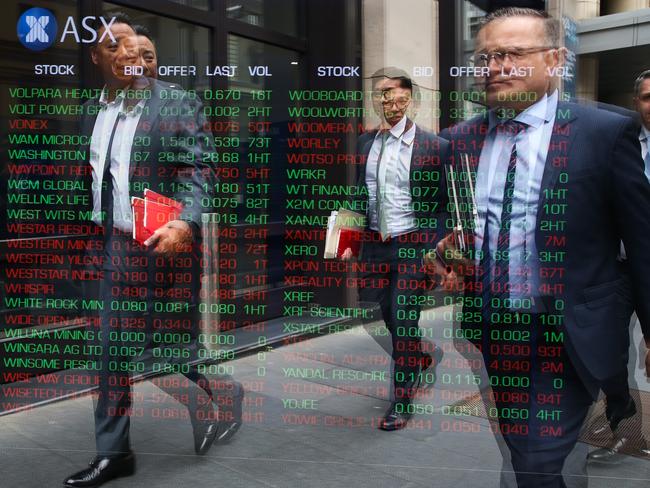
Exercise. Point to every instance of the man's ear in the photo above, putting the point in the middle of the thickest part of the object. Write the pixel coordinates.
(558, 56)
(93, 55)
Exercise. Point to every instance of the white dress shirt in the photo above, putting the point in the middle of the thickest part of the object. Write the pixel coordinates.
(394, 173)
(644, 136)
(129, 116)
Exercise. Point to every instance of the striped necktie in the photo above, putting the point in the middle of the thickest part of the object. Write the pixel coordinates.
(500, 281)
(382, 217)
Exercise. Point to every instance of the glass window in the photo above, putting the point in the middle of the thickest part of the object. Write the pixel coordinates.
(200, 4)
(468, 98)
(265, 74)
(471, 21)
(278, 15)
(177, 44)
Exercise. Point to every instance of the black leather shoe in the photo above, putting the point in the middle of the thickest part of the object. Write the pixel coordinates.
(101, 470)
(396, 417)
(430, 364)
(602, 430)
(617, 416)
(205, 428)
(616, 453)
(204, 435)
(614, 418)
(232, 418)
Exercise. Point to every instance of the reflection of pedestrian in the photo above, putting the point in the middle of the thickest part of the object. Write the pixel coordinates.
(623, 407)
(553, 208)
(400, 180)
(148, 288)
(146, 51)
(228, 393)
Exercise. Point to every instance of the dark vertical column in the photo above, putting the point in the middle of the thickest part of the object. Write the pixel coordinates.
(447, 40)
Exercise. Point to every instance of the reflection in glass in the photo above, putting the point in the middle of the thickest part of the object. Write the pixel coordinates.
(177, 43)
(264, 77)
(200, 4)
(278, 15)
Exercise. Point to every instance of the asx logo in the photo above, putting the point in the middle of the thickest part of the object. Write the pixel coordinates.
(37, 29)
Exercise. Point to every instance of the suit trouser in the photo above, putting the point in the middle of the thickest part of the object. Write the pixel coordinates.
(126, 326)
(540, 401)
(617, 388)
(394, 280)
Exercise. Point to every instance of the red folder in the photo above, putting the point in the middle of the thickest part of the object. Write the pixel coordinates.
(152, 212)
(344, 230)
(157, 197)
(140, 232)
(349, 238)
(157, 214)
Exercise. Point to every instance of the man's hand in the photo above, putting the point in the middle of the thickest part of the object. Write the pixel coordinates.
(453, 257)
(442, 275)
(347, 255)
(434, 268)
(171, 239)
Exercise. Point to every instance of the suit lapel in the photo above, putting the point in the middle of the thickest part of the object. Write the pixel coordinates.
(88, 121)
(87, 127)
(365, 151)
(473, 145)
(145, 127)
(557, 158)
(415, 154)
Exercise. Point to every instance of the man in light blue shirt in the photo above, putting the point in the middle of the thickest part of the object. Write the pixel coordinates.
(642, 105)
(559, 346)
(400, 189)
(532, 143)
(120, 166)
(623, 404)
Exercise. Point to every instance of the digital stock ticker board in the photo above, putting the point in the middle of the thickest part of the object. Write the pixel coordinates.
(321, 243)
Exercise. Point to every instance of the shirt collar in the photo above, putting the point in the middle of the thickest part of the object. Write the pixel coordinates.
(537, 114)
(398, 130)
(129, 109)
(103, 98)
(644, 134)
(134, 110)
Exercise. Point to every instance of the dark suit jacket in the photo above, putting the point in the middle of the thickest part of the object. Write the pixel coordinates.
(427, 181)
(169, 149)
(171, 155)
(594, 194)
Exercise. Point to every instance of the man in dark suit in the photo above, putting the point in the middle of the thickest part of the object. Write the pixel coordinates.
(623, 405)
(558, 187)
(400, 192)
(145, 134)
(230, 393)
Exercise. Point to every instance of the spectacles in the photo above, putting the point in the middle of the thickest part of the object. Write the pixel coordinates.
(513, 55)
(387, 100)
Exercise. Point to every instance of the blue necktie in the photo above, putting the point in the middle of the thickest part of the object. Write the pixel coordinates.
(501, 274)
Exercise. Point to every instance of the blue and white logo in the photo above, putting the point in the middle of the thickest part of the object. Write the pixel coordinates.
(37, 29)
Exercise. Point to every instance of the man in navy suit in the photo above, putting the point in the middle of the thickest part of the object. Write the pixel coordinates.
(623, 405)
(558, 187)
(400, 192)
(148, 291)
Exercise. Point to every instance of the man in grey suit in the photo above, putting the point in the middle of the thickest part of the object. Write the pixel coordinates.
(145, 134)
